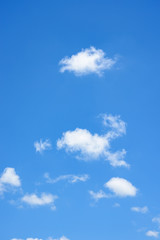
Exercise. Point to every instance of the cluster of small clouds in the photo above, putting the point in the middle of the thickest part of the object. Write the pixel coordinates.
(153, 233)
(27, 239)
(93, 146)
(10, 180)
(49, 238)
(87, 61)
(144, 210)
(88, 146)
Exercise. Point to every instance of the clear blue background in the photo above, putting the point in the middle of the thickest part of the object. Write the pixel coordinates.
(37, 101)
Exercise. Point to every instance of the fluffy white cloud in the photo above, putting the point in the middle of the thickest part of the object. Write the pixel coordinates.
(42, 145)
(9, 178)
(89, 60)
(44, 199)
(121, 187)
(152, 234)
(69, 177)
(93, 146)
(83, 141)
(98, 195)
(140, 209)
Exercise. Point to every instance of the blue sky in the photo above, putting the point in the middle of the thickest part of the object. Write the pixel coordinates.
(79, 103)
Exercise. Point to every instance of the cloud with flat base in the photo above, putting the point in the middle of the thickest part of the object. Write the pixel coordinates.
(44, 199)
(87, 61)
(121, 187)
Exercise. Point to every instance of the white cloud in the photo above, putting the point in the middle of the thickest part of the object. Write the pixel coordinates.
(44, 199)
(61, 238)
(49, 238)
(115, 123)
(27, 239)
(42, 145)
(93, 146)
(152, 234)
(121, 187)
(140, 209)
(33, 238)
(16, 239)
(64, 238)
(83, 141)
(98, 195)
(116, 159)
(89, 60)
(69, 177)
(9, 178)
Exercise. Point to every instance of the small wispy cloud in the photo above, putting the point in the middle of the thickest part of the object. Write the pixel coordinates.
(116, 205)
(41, 146)
(87, 61)
(61, 238)
(154, 234)
(98, 195)
(42, 200)
(156, 220)
(121, 187)
(69, 177)
(115, 123)
(8, 179)
(140, 209)
(116, 159)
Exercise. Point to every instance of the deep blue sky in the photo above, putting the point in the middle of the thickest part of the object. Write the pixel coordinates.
(38, 102)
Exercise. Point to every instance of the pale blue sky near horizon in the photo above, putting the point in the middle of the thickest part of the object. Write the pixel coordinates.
(37, 101)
